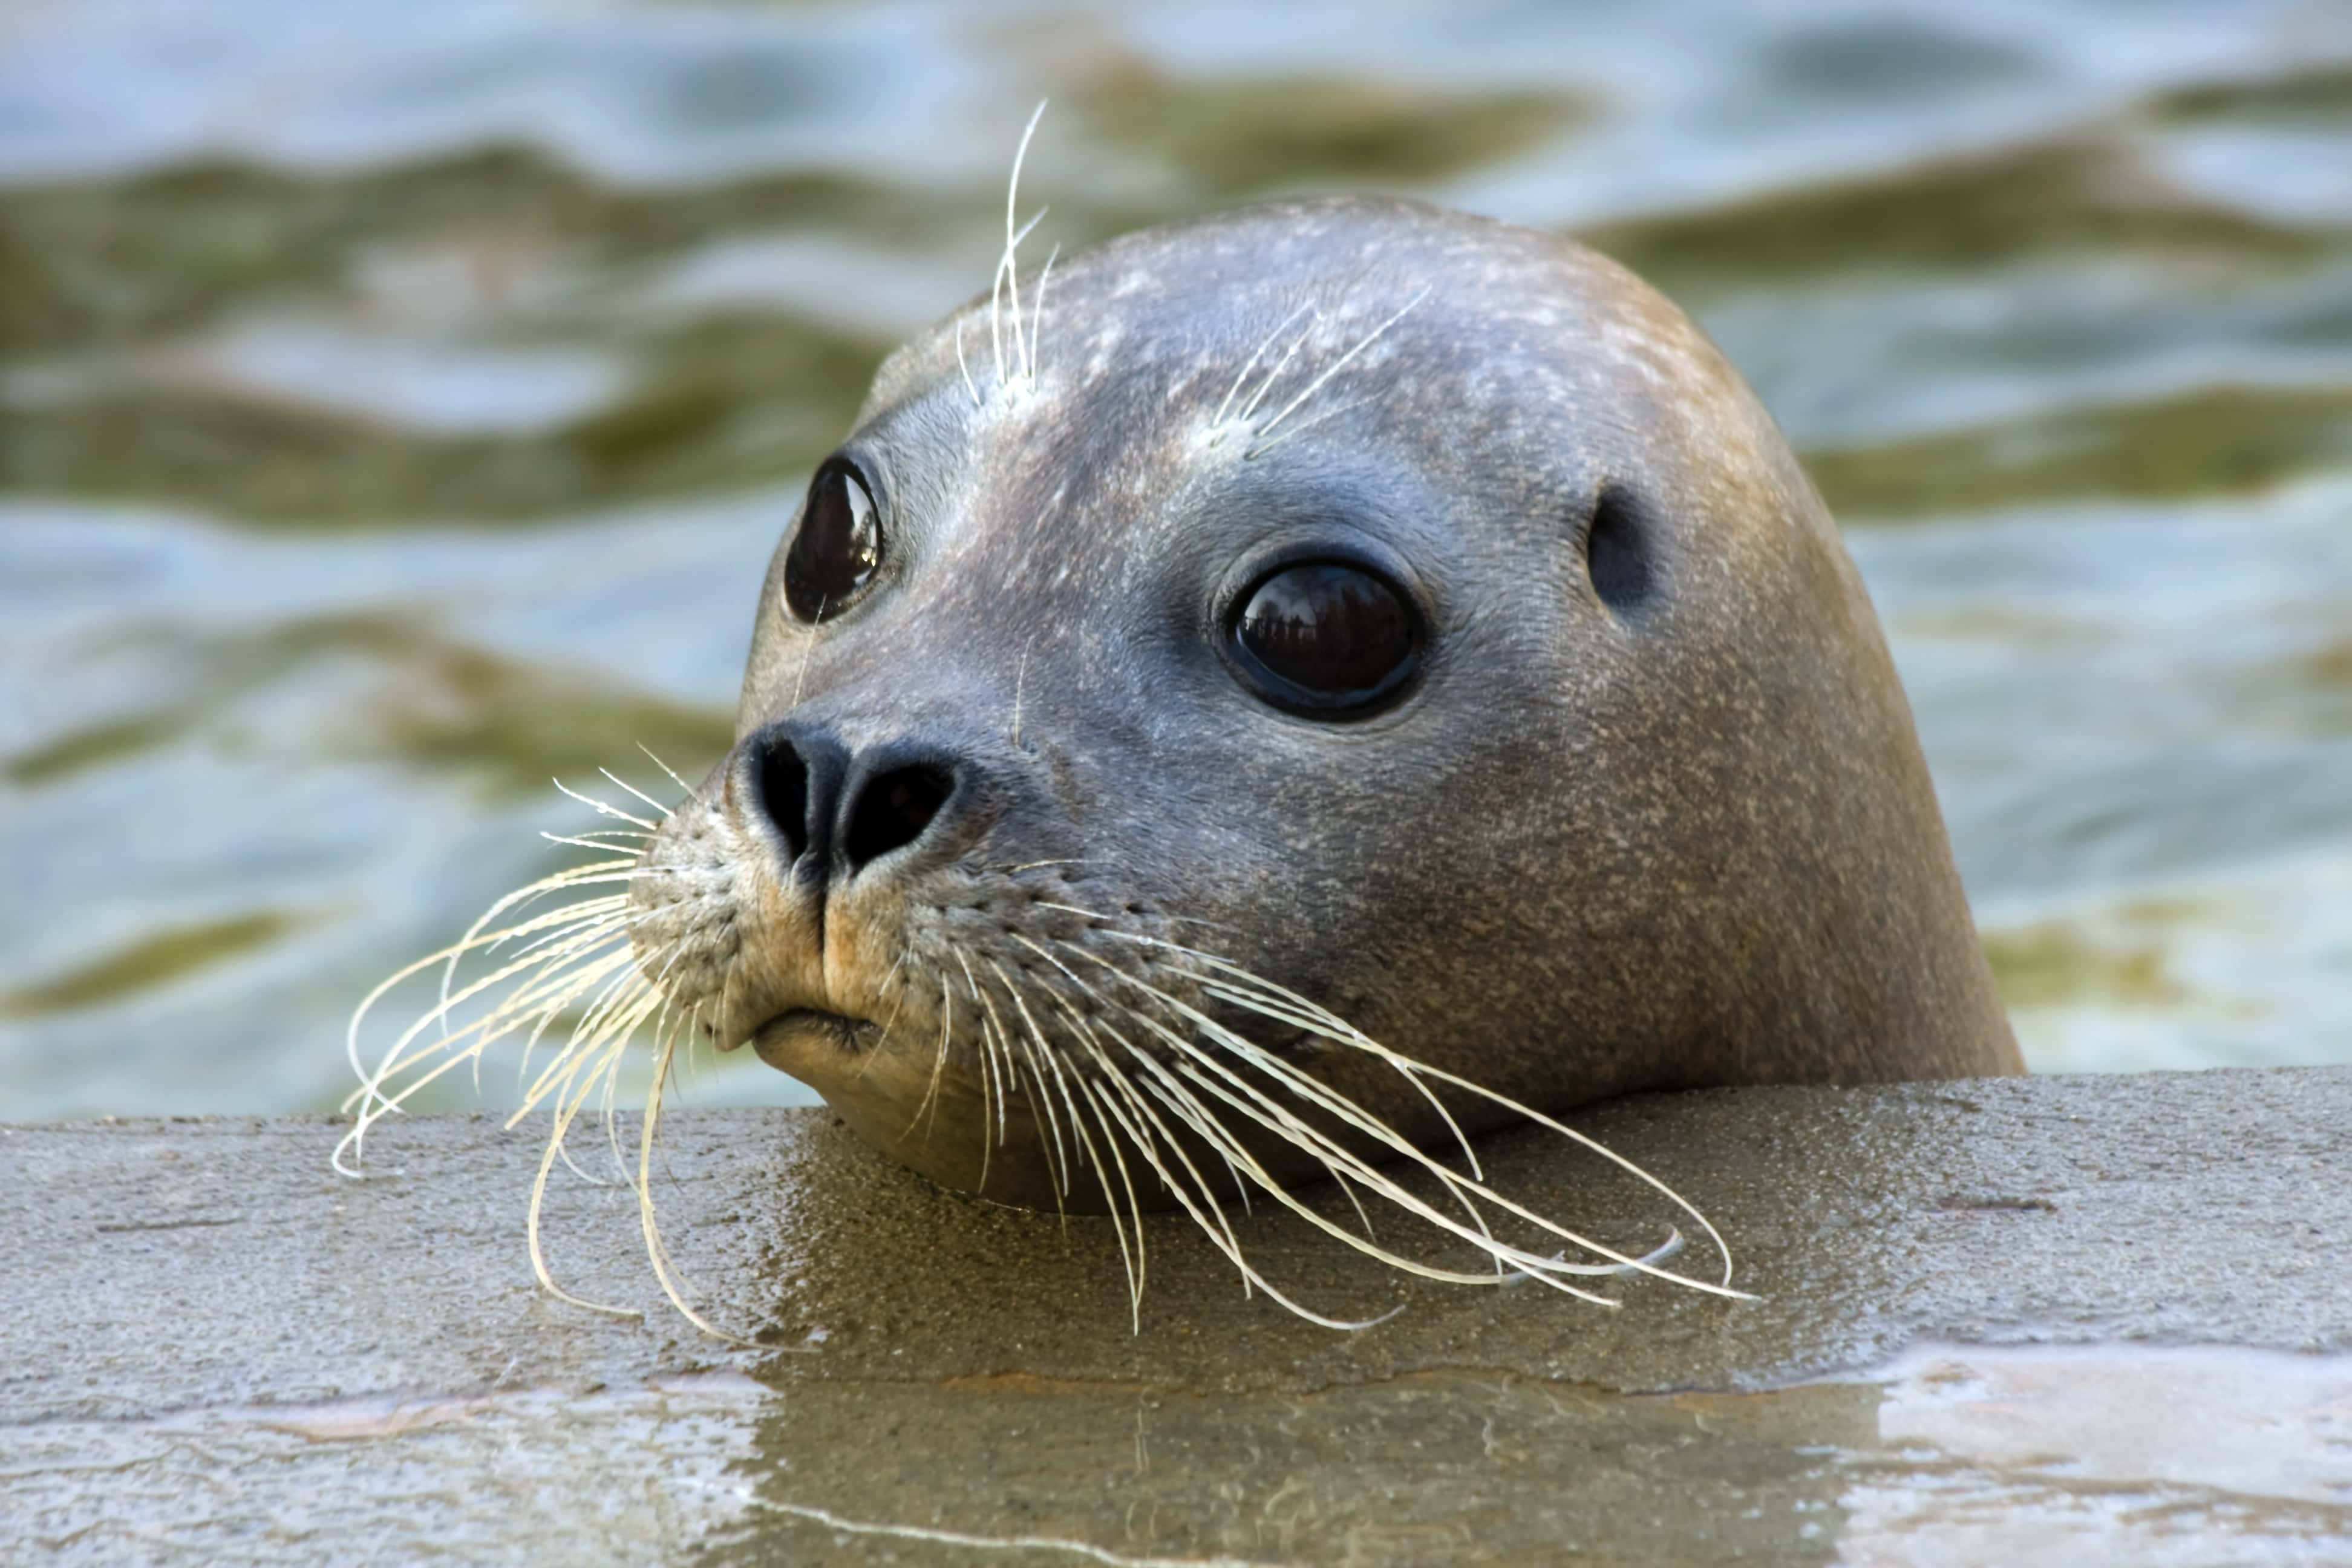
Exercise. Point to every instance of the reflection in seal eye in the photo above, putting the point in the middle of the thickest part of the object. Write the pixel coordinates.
(838, 546)
(1328, 639)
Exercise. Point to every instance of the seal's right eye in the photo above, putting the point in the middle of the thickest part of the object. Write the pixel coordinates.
(838, 546)
(1328, 639)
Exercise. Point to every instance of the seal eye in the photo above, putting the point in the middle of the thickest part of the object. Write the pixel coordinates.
(1327, 638)
(838, 546)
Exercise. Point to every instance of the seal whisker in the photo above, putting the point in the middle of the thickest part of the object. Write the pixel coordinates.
(1333, 1156)
(1086, 1033)
(1323, 1096)
(580, 935)
(890, 1023)
(1253, 1103)
(604, 809)
(1114, 1086)
(1263, 1114)
(1314, 1023)
(587, 1056)
(1288, 1006)
(1205, 1124)
(1214, 1131)
(1025, 1063)
(1263, 345)
(1008, 274)
(599, 844)
(991, 1087)
(1007, 266)
(368, 1094)
(561, 1119)
(1203, 1212)
(592, 1060)
(1335, 366)
(1339, 1162)
(636, 791)
(561, 963)
(931, 1100)
(1251, 1277)
(1133, 1261)
(589, 1025)
(1031, 1044)
(1338, 1030)
(655, 1252)
(1136, 1265)
(656, 758)
(1249, 410)
(1189, 1110)
(1462, 1189)
(522, 896)
(1261, 448)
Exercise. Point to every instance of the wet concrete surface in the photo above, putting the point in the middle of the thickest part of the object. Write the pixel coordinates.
(2048, 1320)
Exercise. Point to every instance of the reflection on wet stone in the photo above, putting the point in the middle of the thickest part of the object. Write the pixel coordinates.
(1435, 1468)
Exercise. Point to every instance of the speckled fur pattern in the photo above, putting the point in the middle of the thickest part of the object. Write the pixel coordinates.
(1601, 847)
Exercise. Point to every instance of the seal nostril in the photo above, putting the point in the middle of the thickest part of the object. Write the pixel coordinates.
(783, 796)
(892, 811)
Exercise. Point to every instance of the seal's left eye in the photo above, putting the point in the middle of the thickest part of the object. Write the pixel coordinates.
(838, 546)
(1327, 638)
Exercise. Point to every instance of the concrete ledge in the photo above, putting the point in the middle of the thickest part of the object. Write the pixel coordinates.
(213, 1345)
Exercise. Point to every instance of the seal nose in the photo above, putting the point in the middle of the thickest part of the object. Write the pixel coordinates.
(836, 813)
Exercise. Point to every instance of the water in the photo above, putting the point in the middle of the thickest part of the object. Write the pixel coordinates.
(398, 404)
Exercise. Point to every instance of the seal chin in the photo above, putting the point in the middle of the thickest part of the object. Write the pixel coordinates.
(787, 1041)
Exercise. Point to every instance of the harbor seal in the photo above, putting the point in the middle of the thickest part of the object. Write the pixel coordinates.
(1282, 693)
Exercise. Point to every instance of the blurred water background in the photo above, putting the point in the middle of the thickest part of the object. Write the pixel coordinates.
(399, 400)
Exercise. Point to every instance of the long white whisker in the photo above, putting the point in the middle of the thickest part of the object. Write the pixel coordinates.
(672, 772)
(635, 791)
(1249, 410)
(1009, 266)
(1250, 1101)
(602, 809)
(1335, 366)
(1338, 1030)
(1242, 374)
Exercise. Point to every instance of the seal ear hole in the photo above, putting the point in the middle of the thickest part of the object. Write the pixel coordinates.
(1617, 551)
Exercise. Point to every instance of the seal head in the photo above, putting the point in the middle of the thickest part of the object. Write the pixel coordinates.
(1279, 646)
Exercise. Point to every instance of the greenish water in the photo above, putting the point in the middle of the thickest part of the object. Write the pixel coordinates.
(398, 404)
